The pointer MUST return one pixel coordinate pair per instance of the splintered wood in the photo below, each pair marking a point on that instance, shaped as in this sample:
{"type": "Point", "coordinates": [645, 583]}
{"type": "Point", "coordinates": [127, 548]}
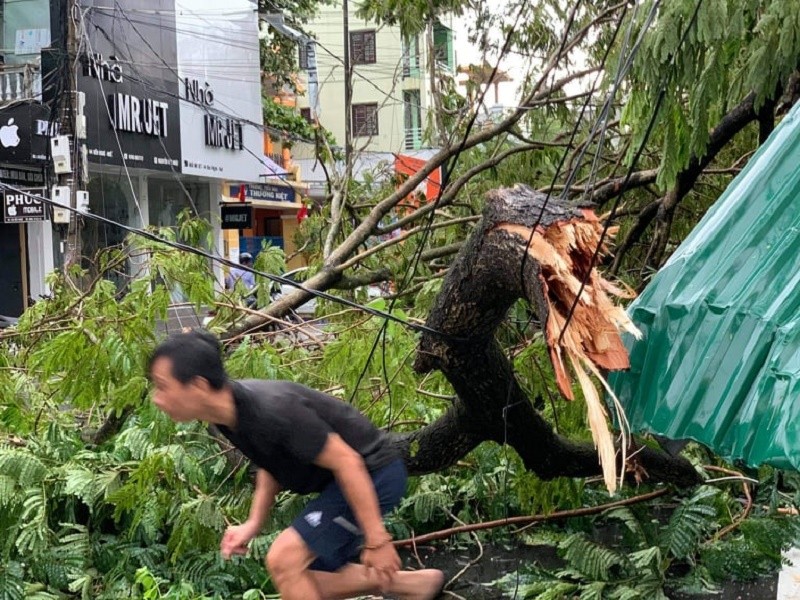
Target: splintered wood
{"type": "Point", "coordinates": [590, 341]}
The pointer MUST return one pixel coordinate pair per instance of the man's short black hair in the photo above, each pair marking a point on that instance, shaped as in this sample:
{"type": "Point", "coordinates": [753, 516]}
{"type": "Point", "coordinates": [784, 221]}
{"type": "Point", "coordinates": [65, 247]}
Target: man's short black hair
{"type": "Point", "coordinates": [196, 353]}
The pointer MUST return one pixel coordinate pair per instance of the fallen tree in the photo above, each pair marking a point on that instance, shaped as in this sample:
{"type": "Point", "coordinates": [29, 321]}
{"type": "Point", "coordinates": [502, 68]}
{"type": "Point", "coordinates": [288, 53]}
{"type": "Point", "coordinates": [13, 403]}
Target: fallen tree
{"type": "Point", "coordinates": [481, 285]}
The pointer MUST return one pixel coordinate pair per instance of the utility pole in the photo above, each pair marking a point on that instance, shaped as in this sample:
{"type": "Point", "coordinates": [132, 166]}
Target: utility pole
{"type": "Point", "coordinates": [348, 90]}
{"type": "Point", "coordinates": [73, 126]}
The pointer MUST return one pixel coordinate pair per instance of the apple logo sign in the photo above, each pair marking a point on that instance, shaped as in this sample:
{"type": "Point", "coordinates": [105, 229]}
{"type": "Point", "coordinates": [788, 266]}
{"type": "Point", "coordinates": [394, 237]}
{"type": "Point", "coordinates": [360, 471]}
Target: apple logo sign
{"type": "Point", "coordinates": [12, 211]}
{"type": "Point", "coordinates": [8, 135]}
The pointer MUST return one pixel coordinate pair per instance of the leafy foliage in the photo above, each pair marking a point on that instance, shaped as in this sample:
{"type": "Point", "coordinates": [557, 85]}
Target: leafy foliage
{"type": "Point", "coordinates": [102, 497]}
{"type": "Point", "coordinates": [732, 49]}
{"type": "Point", "coordinates": [651, 551]}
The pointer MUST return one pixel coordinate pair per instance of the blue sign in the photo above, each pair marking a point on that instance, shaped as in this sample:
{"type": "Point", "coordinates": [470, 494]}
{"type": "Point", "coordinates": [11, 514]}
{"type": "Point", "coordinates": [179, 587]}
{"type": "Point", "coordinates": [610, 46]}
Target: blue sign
{"type": "Point", "coordinates": [266, 191]}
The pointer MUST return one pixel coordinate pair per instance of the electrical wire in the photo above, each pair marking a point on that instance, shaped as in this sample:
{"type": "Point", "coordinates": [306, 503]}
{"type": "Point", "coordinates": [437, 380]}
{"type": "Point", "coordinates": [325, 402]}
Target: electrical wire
{"type": "Point", "coordinates": [208, 109]}
{"type": "Point", "coordinates": [211, 110]}
{"type": "Point", "coordinates": [426, 232]}
{"type": "Point", "coordinates": [85, 39]}
{"type": "Point", "coordinates": [223, 261]}
{"type": "Point", "coordinates": [370, 81]}
{"type": "Point", "coordinates": [512, 377]}
{"type": "Point", "coordinates": [632, 167]}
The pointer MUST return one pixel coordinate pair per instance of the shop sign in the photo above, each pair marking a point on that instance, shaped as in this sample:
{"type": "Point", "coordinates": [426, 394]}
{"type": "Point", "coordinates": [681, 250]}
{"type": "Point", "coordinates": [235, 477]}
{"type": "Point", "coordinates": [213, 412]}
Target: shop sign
{"type": "Point", "coordinates": [267, 191]}
{"type": "Point", "coordinates": [21, 176]}
{"type": "Point", "coordinates": [236, 216]}
{"type": "Point", "coordinates": [131, 95]}
{"type": "Point", "coordinates": [24, 133]}
{"type": "Point", "coordinates": [221, 114]}
{"type": "Point", "coordinates": [22, 208]}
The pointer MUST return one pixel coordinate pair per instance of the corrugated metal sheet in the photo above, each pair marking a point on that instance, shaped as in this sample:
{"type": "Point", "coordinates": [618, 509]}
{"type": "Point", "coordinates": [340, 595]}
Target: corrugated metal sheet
{"type": "Point", "coordinates": [719, 361]}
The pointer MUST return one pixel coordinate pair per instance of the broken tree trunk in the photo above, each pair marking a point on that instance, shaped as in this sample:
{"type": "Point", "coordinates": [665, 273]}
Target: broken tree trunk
{"type": "Point", "coordinates": [488, 276]}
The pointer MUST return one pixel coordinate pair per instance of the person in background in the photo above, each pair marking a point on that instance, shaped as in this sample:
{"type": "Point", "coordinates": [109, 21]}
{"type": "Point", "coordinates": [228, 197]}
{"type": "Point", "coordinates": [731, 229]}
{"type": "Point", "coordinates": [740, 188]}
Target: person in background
{"type": "Point", "coordinates": [247, 278]}
{"type": "Point", "coordinates": [307, 442]}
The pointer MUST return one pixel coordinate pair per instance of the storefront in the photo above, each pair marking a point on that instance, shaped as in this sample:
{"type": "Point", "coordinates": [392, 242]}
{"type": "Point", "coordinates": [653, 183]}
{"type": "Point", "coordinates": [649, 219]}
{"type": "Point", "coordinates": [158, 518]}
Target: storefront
{"type": "Point", "coordinates": [273, 208]}
{"type": "Point", "coordinates": [24, 228]}
{"type": "Point", "coordinates": [165, 125]}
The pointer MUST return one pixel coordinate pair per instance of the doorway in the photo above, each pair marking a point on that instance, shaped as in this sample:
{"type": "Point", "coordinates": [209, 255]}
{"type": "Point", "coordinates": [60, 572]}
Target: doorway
{"type": "Point", "coordinates": [12, 301]}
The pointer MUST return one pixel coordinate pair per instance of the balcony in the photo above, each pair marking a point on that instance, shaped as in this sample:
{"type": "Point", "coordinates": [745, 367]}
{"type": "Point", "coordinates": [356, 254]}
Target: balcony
{"type": "Point", "coordinates": [411, 66]}
{"type": "Point", "coordinates": [20, 82]}
{"type": "Point", "coordinates": [413, 140]}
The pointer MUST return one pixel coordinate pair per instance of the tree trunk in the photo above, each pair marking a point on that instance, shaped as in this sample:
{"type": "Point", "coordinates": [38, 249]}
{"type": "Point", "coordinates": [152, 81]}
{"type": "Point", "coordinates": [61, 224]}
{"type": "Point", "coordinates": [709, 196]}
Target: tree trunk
{"type": "Point", "coordinates": [484, 281]}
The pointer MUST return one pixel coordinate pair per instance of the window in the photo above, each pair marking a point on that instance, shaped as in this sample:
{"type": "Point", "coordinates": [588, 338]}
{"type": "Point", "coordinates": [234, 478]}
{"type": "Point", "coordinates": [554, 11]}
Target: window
{"type": "Point", "coordinates": [443, 46]}
{"type": "Point", "coordinates": [362, 47]}
{"type": "Point", "coordinates": [411, 56]}
{"type": "Point", "coordinates": [365, 119]}
{"type": "Point", "coordinates": [412, 117]}
{"type": "Point", "coordinates": [306, 114]}
{"type": "Point", "coordinates": [302, 57]}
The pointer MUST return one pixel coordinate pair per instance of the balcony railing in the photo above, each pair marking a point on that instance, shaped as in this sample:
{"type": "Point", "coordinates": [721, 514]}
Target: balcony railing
{"type": "Point", "coordinates": [411, 66]}
{"type": "Point", "coordinates": [20, 82]}
{"type": "Point", "coordinates": [444, 66]}
{"type": "Point", "coordinates": [413, 138]}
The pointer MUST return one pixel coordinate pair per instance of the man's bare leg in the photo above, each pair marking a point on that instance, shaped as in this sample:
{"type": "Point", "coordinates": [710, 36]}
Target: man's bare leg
{"type": "Point", "coordinates": [287, 561]}
{"type": "Point", "coordinates": [354, 580]}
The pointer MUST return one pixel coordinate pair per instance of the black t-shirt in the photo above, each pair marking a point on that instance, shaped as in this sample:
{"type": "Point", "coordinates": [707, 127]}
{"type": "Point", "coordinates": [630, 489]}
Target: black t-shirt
{"type": "Point", "coordinates": [282, 426]}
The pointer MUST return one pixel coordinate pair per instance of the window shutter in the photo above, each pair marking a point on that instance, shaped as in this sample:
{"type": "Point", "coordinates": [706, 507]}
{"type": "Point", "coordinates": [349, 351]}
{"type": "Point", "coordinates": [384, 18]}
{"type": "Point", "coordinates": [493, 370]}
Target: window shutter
{"type": "Point", "coordinates": [362, 47]}
{"type": "Point", "coordinates": [302, 58]}
{"type": "Point", "coordinates": [365, 119]}
{"type": "Point", "coordinates": [370, 54]}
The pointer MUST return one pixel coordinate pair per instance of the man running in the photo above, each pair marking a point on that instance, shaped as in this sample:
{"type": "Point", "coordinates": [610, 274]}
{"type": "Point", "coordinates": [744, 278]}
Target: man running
{"type": "Point", "coordinates": [304, 441]}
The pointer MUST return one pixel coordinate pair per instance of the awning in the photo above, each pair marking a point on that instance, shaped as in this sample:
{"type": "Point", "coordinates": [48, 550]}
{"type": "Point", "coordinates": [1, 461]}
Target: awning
{"type": "Point", "coordinates": [720, 358]}
{"type": "Point", "coordinates": [272, 169]}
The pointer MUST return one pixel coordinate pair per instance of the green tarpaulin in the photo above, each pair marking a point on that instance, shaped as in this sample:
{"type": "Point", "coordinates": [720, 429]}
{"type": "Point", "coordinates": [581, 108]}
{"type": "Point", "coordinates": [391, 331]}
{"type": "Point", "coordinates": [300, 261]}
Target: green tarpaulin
{"type": "Point", "coordinates": [719, 361]}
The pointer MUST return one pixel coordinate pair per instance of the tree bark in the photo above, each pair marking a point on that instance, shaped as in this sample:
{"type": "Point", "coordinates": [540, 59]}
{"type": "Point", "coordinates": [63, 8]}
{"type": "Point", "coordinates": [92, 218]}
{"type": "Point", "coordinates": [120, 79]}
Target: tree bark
{"type": "Point", "coordinates": [485, 279]}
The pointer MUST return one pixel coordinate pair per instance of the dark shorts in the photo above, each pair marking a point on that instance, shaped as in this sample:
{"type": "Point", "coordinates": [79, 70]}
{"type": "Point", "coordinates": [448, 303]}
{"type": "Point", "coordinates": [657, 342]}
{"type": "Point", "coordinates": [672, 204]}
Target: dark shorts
{"type": "Point", "coordinates": [328, 526]}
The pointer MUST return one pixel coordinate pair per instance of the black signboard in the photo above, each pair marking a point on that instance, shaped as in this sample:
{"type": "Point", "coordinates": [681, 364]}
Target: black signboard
{"type": "Point", "coordinates": [24, 133]}
{"type": "Point", "coordinates": [266, 191]}
{"type": "Point", "coordinates": [20, 176]}
{"type": "Point", "coordinates": [237, 216]}
{"type": "Point", "coordinates": [21, 208]}
{"type": "Point", "coordinates": [130, 80]}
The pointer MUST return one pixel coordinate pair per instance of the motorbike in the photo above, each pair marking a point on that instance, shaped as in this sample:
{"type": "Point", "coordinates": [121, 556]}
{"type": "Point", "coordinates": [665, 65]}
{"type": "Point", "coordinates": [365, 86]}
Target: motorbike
{"type": "Point", "coordinates": [7, 321]}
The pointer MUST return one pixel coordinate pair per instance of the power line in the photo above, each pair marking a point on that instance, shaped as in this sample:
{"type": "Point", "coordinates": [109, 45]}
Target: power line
{"type": "Point", "coordinates": [224, 261]}
{"type": "Point", "coordinates": [370, 81]}
{"type": "Point", "coordinates": [138, 78]}
{"type": "Point", "coordinates": [639, 151]}
{"type": "Point", "coordinates": [428, 225]}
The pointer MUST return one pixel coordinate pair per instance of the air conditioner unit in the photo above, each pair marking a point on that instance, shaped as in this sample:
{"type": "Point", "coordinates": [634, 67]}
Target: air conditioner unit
{"type": "Point", "coordinates": [59, 149]}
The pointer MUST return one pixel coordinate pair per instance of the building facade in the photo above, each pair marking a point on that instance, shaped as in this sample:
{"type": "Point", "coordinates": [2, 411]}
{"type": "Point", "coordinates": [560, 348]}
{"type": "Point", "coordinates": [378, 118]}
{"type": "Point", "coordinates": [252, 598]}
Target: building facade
{"type": "Point", "coordinates": [391, 84]}
{"type": "Point", "coordinates": [169, 111]}
{"type": "Point", "coordinates": [26, 243]}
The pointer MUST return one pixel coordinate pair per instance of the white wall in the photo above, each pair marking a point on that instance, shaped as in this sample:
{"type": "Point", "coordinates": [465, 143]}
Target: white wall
{"type": "Point", "coordinates": [222, 52]}
{"type": "Point", "coordinates": [381, 82]}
